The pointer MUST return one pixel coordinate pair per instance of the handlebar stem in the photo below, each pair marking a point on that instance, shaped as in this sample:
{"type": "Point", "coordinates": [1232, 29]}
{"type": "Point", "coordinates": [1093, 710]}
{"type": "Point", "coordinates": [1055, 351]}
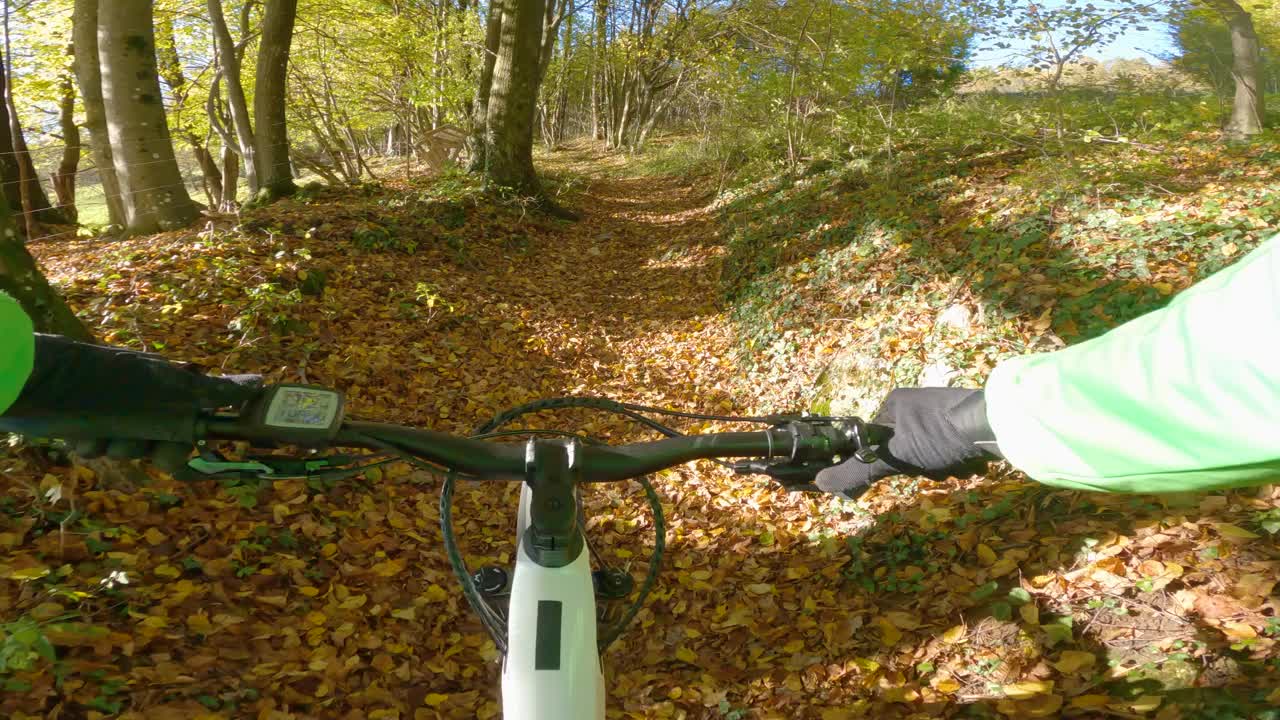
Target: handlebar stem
{"type": "Point", "coordinates": [553, 538]}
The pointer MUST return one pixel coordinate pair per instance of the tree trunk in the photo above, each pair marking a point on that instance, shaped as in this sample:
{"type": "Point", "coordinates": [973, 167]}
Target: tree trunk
{"type": "Point", "coordinates": [480, 121]}
{"type": "Point", "coordinates": [64, 178]}
{"type": "Point", "coordinates": [599, 122]}
{"type": "Point", "coordinates": [513, 99]}
{"type": "Point", "coordinates": [154, 193]}
{"type": "Point", "coordinates": [22, 279]}
{"type": "Point", "coordinates": [210, 175]}
{"type": "Point", "coordinates": [275, 173]}
{"type": "Point", "coordinates": [10, 176]}
{"type": "Point", "coordinates": [230, 178]}
{"type": "Point", "coordinates": [554, 13]}
{"type": "Point", "coordinates": [219, 122]}
{"type": "Point", "coordinates": [84, 33]}
{"type": "Point", "coordinates": [229, 61]}
{"type": "Point", "coordinates": [23, 189]}
{"type": "Point", "coordinates": [1248, 111]}
{"type": "Point", "coordinates": [561, 113]}
{"type": "Point", "coordinates": [171, 70]}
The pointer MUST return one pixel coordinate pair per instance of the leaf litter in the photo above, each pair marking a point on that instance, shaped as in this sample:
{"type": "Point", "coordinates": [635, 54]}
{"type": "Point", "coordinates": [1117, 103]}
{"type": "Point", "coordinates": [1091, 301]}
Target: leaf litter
{"type": "Point", "coordinates": [167, 600]}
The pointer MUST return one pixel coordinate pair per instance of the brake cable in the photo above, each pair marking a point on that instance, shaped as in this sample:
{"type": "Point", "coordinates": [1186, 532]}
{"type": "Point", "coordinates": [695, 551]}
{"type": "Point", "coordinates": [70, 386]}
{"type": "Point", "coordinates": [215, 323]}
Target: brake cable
{"type": "Point", "coordinates": [489, 616]}
{"type": "Point", "coordinates": [630, 410]}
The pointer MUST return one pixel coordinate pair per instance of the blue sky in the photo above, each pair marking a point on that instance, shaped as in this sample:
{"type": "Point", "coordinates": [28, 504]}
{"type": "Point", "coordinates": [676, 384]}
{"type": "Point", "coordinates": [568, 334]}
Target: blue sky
{"type": "Point", "coordinates": [1150, 44]}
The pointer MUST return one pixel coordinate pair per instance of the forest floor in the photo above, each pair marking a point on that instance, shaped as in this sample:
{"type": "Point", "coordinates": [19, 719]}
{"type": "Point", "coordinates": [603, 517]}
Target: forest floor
{"type": "Point", "coordinates": [440, 308]}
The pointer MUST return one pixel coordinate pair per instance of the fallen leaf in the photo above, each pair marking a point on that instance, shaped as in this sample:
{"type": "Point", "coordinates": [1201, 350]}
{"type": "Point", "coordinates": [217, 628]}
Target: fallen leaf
{"type": "Point", "coordinates": [955, 634]}
{"type": "Point", "coordinates": [986, 555]}
{"type": "Point", "coordinates": [1146, 703]}
{"type": "Point", "coordinates": [1030, 614]}
{"type": "Point", "coordinates": [1234, 532]}
{"type": "Point", "coordinates": [389, 568]}
{"type": "Point", "coordinates": [1072, 661]}
{"type": "Point", "coordinates": [889, 633]}
{"type": "Point", "coordinates": [903, 620]}
{"type": "Point", "coordinates": [1039, 706]}
{"type": "Point", "coordinates": [1027, 689]}
{"type": "Point", "coordinates": [946, 686]}
{"type": "Point", "coordinates": [1090, 702]}
{"type": "Point", "coordinates": [1239, 630]}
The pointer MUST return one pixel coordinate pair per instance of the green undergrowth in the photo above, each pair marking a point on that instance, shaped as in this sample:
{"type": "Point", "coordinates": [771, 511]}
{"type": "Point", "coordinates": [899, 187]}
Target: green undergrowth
{"type": "Point", "coordinates": [929, 263]}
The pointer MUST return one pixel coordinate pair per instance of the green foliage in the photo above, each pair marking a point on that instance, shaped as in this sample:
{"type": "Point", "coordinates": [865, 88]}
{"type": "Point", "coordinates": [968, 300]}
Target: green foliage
{"type": "Point", "coordinates": [1079, 232]}
{"type": "Point", "coordinates": [804, 67]}
{"type": "Point", "coordinates": [901, 563]}
{"type": "Point", "coordinates": [1053, 35]}
{"type": "Point", "coordinates": [372, 237]}
{"type": "Point", "coordinates": [1204, 44]}
{"type": "Point", "coordinates": [22, 644]}
{"type": "Point", "coordinates": [269, 304]}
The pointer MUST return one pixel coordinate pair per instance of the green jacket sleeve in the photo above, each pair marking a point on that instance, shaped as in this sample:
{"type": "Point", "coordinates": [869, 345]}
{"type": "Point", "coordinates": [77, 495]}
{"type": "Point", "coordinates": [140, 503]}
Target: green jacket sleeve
{"type": "Point", "coordinates": [17, 350]}
{"type": "Point", "coordinates": [1184, 398]}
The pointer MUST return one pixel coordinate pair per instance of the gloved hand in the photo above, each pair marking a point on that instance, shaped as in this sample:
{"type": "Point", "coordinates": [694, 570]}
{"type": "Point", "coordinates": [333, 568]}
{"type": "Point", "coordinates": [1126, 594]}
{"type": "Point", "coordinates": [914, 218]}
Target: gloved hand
{"type": "Point", "coordinates": [936, 433]}
{"type": "Point", "coordinates": [119, 403]}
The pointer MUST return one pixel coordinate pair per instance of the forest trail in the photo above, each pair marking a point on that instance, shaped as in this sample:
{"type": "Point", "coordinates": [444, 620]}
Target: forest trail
{"type": "Point", "coordinates": [280, 599]}
{"type": "Point", "coordinates": [633, 287]}
{"type": "Point", "coordinates": [442, 307]}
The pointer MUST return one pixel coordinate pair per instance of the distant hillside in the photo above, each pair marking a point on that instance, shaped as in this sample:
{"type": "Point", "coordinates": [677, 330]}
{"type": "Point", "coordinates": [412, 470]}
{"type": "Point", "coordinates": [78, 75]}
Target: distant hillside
{"type": "Point", "coordinates": [1088, 72]}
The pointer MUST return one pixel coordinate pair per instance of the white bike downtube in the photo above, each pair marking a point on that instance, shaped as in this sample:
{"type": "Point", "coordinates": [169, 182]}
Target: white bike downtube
{"type": "Point", "coordinates": [552, 668]}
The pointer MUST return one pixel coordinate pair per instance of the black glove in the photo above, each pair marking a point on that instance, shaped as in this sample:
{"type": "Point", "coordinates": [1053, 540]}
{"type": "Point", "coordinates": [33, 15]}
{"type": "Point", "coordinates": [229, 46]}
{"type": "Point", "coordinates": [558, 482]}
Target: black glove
{"type": "Point", "coordinates": [936, 433]}
{"type": "Point", "coordinates": [119, 403]}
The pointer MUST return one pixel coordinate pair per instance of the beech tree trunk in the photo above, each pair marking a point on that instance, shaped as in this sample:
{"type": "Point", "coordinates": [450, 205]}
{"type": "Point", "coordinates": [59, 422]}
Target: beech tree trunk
{"type": "Point", "coordinates": [275, 172]}
{"type": "Point", "coordinates": [22, 279]}
{"type": "Point", "coordinates": [513, 99]}
{"type": "Point", "coordinates": [229, 61]}
{"type": "Point", "coordinates": [480, 120]}
{"type": "Point", "coordinates": [599, 76]}
{"type": "Point", "coordinates": [21, 184]}
{"type": "Point", "coordinates": [1248, 111]}
{"type": "Point", "coordinates": [84, 33]}
{"type": "Point", "coordinates": [170, 67]}
{"type": "Point", "coordinates": [230, 177]}
{"type": "Point", "coordinates": [64, 178]}
{"type": "Point", "coordinates": [219, 121]}
{"type": "Point", "coordinates": [155, 196]}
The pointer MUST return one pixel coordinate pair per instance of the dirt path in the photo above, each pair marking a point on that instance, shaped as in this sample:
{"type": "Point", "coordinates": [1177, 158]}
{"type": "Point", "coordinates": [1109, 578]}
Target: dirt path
{"type": "Point", "coordinates": [631, 288]}
{"type": "Point", "coordinates": [278, 601]}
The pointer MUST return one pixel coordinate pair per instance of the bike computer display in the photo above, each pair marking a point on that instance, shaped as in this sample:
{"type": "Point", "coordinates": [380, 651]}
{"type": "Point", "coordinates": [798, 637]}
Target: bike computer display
{"type": "Point", "coordinates": [300, 414]}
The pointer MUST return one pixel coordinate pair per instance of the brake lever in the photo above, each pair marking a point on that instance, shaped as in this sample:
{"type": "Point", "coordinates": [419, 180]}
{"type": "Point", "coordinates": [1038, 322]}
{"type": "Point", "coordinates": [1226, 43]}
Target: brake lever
{"type": "Point", "coordinates": [799, 475]}
{"type": "Point", "coordinates": [793, 476]}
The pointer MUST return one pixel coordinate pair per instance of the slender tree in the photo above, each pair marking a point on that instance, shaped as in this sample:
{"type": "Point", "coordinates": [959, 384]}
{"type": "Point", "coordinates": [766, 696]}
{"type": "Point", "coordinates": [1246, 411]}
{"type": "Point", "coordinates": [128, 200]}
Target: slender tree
{"type": "Point", "coordinates": [18, 178]}
{"type": "Point", "coordinates": [480, 120]}
{"type": "Point", "coordinates": [228, 57]}
{"type": "Point", "coordinates": [1249, 107]}
{"type": "Point", "coordinates": [84, 34]}
{"type": "Point", "coordinates": [155, 197]}
{"type": "Point", "coordinates": [275, 172]}
{"type": "Point", "coordinates": [599, 68]}
{"type": "Point", "coordinates": [170, 67]}
{"type": "Point", "coordinates": [64, 177]}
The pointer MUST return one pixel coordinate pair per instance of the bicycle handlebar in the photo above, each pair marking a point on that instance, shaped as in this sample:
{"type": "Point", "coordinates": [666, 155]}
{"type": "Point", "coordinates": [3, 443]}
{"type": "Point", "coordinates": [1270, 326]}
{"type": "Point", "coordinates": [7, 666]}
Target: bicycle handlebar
{"type": "Point", "coordinates": [798, 441]}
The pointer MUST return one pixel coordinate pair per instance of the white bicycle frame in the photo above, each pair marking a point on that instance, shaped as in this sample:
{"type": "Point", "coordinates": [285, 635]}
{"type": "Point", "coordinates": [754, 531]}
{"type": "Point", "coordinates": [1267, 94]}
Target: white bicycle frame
{"type": "Point", "coordinates": [552, 670]}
